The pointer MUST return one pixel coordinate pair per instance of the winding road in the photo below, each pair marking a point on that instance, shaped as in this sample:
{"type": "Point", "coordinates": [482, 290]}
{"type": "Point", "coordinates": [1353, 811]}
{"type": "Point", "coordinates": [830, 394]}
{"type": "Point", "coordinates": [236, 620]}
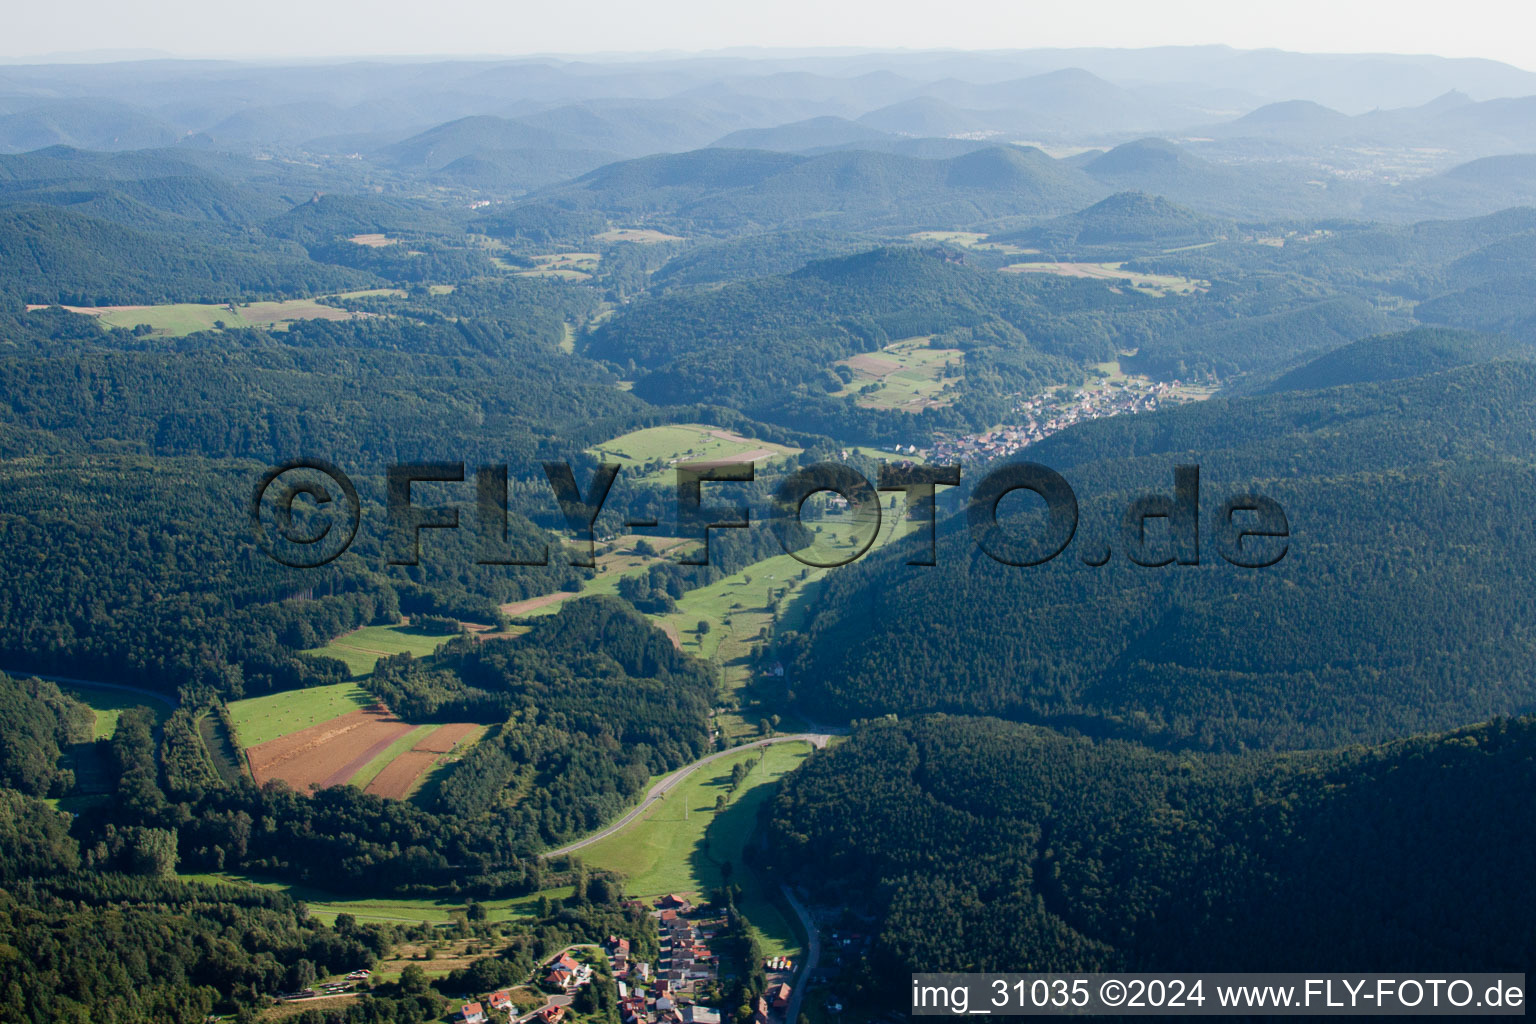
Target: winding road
{"type": "Point", "coordinates": [667, 783]}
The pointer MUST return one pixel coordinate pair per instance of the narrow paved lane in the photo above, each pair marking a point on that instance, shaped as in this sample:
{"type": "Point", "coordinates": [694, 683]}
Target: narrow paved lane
{"type": "Point", "coordinates": [669, 782]}
{"type": "Point", "coordinates": [812, 957]}
{"type": "Point", "coordinates": [97, 684]}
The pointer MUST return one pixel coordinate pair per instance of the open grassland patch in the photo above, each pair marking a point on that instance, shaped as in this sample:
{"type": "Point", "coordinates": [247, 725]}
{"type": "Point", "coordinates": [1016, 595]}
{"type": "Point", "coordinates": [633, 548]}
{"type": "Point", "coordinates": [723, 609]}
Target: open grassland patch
{"type": "Point", "coordinates": [109, 704]}
{"type": "Point", "coordinates": [569, 266]}
{"type": "Point", "coordinates": [656, 451]}
{"type": "Point", "coordinates": [362, 648]}
{"type": "Point", "coordinates": [968, 240]}
{"type": "Point", "coordinates": [680, 843]}
{"type": "Point", "coordinates": [175, 320]}
{"type": "Point", "coordinates": [1151, 284]}
{"type": "Point", "coordinates": [648, 236]}
{"type": "Point", "coordinates": [373, 240]}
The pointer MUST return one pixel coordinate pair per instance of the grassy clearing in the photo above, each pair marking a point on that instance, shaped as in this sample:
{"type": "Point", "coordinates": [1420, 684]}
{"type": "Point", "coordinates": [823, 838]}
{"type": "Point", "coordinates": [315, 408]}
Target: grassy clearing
{"type": "Point", "coordinates": [679, 844]}
{"type": "Point", "coordinates": [568, 266]}
{"type": "Point", "coordinates": [327, 905]}
{"type": "Point", "coordinates": [906, 375]}
{"type": "Point", "coordinates": [362, 648]}
{"type": "Point", "coordinates": [646, 236]}
{"type": "Point", "coordinates": [260, 719]}
{"type": "Point", "coordinates": [662, 448]}
{"type": "Point", "coordinates": [108, 704]}
{"type": "Point", "coordinates": [968, 240]}
{"type": "Point", "coordinates": [612, 565]}
{"type": "Point", "coordinates": [373, 240]}
{"type": "Point", "coordinates": [180, 319]}
{"type": "Point", "coordinates": [1150, 284]}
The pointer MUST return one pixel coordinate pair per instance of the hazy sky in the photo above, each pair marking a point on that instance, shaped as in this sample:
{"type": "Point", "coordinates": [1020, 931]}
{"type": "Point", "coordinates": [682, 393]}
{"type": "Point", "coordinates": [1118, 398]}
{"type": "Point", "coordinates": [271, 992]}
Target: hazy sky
{"type": "Point", "coordinates": [1500, 29]}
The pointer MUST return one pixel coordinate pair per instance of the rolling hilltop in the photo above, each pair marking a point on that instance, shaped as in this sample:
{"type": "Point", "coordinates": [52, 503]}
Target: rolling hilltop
{"type": "Point", "coordinates": [1396, 493]}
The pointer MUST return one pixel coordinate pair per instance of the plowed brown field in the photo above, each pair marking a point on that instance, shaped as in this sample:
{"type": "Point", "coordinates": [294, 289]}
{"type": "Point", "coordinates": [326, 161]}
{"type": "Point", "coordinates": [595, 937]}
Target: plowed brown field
{"type": "Point", "coordinates": [399, 777]}
{"type": "Point", "coordinates": [327, 754]}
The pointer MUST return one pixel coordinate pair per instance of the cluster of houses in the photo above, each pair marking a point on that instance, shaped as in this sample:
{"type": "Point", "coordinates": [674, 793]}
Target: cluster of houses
{"type": "Point", "coordinates": [665, 995]}
{"type": "Point", "coordinates": [1044, 415]}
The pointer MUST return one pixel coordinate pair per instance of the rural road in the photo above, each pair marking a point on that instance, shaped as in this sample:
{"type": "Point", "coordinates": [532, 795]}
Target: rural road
{"type": "Point", "coordinates": [667, 783]}
{"type": "Point", "coordinates": [70, 681]}
{"type": "Point", "coordinates": [812, 956]}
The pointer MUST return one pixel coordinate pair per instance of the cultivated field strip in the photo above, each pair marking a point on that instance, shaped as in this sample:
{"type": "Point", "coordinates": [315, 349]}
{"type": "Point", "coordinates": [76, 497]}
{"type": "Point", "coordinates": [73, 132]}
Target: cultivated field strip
{"type": "Point", "coordinates": [400, 776]}
{"type": "Point", "coordinates": [311, 756]}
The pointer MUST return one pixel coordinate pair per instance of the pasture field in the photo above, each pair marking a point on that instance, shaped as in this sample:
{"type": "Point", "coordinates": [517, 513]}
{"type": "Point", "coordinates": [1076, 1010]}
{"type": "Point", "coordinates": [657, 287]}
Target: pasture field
{"type": "Point", "coordinates": [613, 565]}
{"type": "Point", "coordinates": [648, 236]}
{"type": "Point", "coordinates": [373, 240]}
{"type": "Point", "coordinates": [969, 240]}
{"type": "Point", "coordinates": [362, 648]}
{"type": "Point", "coordinates": [906, 375]}
{"type": "Point", "coordinates": [685, 443]}
{"type": "Point", "coordinates": [259, 720]}
{"type": "Point", "coordinates": [569, 266]}
{"type": "Point", "coordinates": [176, 320]}
{"type": "Point", "coordinates": [1150, 284]}
{"type": "Point", "coordinates": [679, 844]}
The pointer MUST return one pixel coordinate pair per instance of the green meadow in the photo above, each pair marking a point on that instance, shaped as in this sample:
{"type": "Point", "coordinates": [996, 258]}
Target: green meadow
{"type": "Point", "coordinates": [681, 843]}
{"type": "Point", "coordinates": [362, 648]}
{"type": "Point", "coordinates": [259, 719]}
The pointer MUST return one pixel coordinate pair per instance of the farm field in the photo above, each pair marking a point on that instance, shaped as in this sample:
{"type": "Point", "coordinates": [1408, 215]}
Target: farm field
{"type": "Point", "coordinates": [685, 443]}
{"type": "Point", "coordinates": [739, 606]}
{"type": "Point", "coordinates": [259, 720]}
{"type": "Point", "coordinates": [362, 648]}
{"type": "Point", "coordinates": [680, 843]}
{"type": "Point", "coordinates": [906, 375]}
{"type": "Point", "coordinates": [622, 561]}
{"type": "Point", "coordinates": [969, 240]}
{"type": "Point", "coordinates": [372, 240]}
{"type": "Point", "coordinates": [569, 266]}
{"type": "Point", "coordinates": [643, 235]}
{"type": "Point", "coordinates": [400, 776]}
{"type": "Point", "coordinates": [328, 754]}
{"type": "Point", "coordinates": [177, 320]}
{"type": "Point", "coordinates": [1151, 284]}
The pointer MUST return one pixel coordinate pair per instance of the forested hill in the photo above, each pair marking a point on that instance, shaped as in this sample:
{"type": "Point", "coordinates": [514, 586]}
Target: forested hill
{"type": "Point", "coordinates": [768, 346]}
{"type": "Point", "coordinates": [1403, 603]}
{"type": "Point", "coordinates": [717, 189]}
{"type": "Point", "coordinates": [1394, 356]}
{"type": "Point", "coordinates": [1081, 856]}
{"type": "Point", "coordinates": [55, 255]}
